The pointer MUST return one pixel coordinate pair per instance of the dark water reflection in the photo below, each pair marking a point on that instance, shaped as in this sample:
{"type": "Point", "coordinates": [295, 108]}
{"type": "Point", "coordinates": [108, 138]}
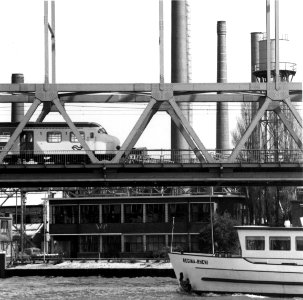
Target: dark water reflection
{"type": "Point", "coordinates": [101, 288]}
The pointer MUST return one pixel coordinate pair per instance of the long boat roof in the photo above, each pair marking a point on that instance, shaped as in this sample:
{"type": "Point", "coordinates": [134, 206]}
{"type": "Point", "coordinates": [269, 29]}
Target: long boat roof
{"type": "Point", "coordinates": [268, 228]}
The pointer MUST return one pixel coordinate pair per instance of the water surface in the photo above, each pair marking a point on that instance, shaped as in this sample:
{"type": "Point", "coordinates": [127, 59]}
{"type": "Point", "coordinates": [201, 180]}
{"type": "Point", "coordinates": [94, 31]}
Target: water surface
{"type": "Point", "coordinates": [94, 287]}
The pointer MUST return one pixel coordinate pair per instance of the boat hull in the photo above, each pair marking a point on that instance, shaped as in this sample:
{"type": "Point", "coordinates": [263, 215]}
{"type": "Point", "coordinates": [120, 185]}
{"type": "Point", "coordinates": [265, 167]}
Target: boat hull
{"type": "Point", "coordinates": [237, 275]}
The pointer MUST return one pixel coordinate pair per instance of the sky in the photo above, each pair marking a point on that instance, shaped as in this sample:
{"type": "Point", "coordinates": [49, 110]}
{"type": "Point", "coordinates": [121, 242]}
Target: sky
{"type": "Point", "coordinates": [116, 41]}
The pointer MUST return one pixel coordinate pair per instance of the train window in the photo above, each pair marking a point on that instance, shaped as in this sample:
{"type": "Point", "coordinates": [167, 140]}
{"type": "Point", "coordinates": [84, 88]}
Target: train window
{"type": "Point", "coordinates": [102, 130]}
{"type": "Point", "coordinates": [54, 137]}
{"type": "Point", "coordinates": [73, 138]}
{"type": "Point", "coordinates": [4, 137]}
{"type": "Point", "coordinates": [91, 135]}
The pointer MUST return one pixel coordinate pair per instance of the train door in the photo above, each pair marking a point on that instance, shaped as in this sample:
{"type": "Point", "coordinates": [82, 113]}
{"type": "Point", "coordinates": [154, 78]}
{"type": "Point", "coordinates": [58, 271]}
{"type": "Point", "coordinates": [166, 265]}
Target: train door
{"type": "Point", "coordinates": [26, 141]}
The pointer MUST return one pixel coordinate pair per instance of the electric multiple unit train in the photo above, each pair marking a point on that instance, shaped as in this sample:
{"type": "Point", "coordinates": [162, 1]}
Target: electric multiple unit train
{"type": "Point", "coordinates": [54, 142]}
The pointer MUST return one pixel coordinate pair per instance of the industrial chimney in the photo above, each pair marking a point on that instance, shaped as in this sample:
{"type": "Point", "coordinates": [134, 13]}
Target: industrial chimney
{"type": "Point", "coordinates": [222, 125]}
{"type": "Point", "coordinates": [17, 112]}
{"type": "Point", "coordinates": [179, 64]}
{"type": "Point", "coordinates": [256, 37]}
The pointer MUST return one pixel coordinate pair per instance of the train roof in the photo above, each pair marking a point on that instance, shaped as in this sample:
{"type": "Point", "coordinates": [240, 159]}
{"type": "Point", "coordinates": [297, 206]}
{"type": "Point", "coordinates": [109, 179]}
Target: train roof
{"type": "Point", "coordinates": [50, 124]}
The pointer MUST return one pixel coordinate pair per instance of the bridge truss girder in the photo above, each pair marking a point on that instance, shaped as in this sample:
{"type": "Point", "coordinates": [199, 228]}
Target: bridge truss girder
{"type": "Point", "coordinates": [159, 96]}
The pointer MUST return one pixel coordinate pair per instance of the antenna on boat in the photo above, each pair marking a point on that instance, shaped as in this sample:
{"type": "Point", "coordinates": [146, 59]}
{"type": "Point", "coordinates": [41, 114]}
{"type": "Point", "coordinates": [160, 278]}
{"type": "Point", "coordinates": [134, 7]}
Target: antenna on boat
{"type": "Point", "coordinates": [211, 220]}
{"type": "Point", "coordinates": [172, 235]}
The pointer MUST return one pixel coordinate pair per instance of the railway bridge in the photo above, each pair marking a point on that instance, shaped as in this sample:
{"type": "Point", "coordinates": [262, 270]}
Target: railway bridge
{"type": "Point", "coordinates": [197, 166]}
{"type": "Point", "coordinates": [156, 168]}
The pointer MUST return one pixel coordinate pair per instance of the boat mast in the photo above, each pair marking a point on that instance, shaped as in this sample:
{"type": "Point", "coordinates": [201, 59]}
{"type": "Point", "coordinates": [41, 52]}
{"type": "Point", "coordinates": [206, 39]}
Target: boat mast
{"type": "Point", "coordinates": [211, 220]}
{"type": "Point", "coordinates": [172, 235]}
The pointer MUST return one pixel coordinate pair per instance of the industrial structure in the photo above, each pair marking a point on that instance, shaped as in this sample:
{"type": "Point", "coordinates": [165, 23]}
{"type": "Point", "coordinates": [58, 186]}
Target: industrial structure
{"type": "Point", "coordinates": [5, 233]}
{"type": "Point", "coordinates": [119, 222]}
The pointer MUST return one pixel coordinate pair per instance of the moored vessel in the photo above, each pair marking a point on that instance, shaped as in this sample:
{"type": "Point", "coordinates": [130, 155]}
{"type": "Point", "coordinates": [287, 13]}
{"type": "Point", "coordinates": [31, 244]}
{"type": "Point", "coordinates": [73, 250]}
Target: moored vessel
{"type": "Point", "coordinates": [271, 263]}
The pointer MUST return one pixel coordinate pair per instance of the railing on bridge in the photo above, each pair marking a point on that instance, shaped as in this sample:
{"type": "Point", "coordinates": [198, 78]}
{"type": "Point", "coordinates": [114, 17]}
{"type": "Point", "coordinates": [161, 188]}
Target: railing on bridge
{"type": "Point", "coordinates": [147, 156]}
{"type": "Point", "coordinates": [151, 191]}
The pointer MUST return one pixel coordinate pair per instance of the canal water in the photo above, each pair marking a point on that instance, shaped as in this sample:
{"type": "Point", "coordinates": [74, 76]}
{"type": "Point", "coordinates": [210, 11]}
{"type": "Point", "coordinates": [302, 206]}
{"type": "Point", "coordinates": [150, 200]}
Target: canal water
{"type": "Point", "coordinates": [95, 287]}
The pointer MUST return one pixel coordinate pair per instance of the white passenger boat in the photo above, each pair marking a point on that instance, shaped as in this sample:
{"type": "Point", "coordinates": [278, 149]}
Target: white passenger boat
{"type": "Point", "coordinates": [271, 264]}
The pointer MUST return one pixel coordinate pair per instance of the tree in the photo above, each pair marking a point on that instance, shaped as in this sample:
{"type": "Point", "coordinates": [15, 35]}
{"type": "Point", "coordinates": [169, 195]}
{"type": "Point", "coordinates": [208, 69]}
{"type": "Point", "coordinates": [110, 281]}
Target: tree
{"type": "Point", "coordinates": [268, 205]}
{"type": "Point", "coordinates": [225, 235]}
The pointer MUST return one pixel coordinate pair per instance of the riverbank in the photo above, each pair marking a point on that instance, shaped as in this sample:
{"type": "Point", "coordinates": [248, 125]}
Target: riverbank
{"type": "Point", "coordinates": [93, 268]}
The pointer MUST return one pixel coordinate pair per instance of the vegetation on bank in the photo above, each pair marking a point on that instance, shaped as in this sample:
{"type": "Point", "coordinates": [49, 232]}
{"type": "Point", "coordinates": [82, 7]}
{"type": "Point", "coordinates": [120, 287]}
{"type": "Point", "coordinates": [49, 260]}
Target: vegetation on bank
{"type": "Point", "coordinates": [268, 205]}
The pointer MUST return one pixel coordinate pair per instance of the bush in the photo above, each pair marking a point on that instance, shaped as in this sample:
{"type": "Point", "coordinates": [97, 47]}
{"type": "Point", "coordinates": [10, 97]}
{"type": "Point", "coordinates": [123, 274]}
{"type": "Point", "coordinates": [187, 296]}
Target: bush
{"type": "Point", "coordinates": [225, 235]}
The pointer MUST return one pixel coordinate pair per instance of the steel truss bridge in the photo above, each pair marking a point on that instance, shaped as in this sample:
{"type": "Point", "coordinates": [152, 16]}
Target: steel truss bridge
{"type": "Point", "coordinates": [199, 167]}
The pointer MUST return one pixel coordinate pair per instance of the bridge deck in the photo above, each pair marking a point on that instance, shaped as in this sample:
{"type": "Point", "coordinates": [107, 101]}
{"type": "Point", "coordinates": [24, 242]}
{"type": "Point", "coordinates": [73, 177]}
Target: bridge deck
{"type": "Point", "coordinates": [108, 174]}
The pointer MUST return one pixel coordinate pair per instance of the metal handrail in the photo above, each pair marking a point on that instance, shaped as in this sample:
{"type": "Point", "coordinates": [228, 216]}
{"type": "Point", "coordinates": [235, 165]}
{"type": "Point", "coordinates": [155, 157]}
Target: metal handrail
{"type": "Point", "coordinates": [283, 66]}
{"type": "Point", "coordinates": [283, 36]}
{"type": "Point", "coordinates": [152, 156]}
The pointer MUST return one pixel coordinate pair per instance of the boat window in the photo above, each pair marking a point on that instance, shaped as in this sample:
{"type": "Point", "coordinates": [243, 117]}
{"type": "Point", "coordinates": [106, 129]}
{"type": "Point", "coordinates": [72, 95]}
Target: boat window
{"type": "Point", "coordinates": [255, 243]}
{"type": "Point", "coordinates": [155, 243]}
{"type": "Point", "coordinates": [89, 243]}
{"type": "Point", "coordinates": [155, 213]}
{"type": "Point", "coordinates": [133, 243]}
{"type": "Point", "coordinates": [73, 138]}
{"type": "Point", "coordinates": [89, 214]}
{"type": "Point", "coordinates": [54, 137]}
{"type": "Point", "coordinates": [199, 212]}
{"type": "Point", "coordinates": [111, 213]}
{"type": "Point", "coordinates": [280, 243]}
{"type": "Point", "coordinates": [66, 214]}
{"type": "Point", "coordinates": [179, 211]}
{"type": "Point", "coordinates": [133, 213]}
{"type": "Point", "coordinates": [299, 243]}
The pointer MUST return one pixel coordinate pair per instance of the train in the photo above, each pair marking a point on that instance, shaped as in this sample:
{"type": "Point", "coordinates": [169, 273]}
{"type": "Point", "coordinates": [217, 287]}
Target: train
{"type": "Point", "coordinates": [55, 142]}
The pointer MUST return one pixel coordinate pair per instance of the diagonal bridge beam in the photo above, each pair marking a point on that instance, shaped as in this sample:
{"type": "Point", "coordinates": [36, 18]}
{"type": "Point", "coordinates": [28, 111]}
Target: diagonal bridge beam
{"type": "Point", "coordinates": [171, 107]}
{"type": "Point", "coordinates": [76, 132]}
{"type": "Point", "coordinates": [287, 124]}
{"type": "Point", "coordinates": [249, 130]}
{"type": "Point", "coordinates": [19, 129]}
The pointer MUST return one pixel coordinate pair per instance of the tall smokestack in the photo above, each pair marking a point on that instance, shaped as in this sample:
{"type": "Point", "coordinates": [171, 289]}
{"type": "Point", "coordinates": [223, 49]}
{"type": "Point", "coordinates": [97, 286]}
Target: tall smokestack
{"type": "Point", "coordinates": [222, 107]}
{"type": "Point", "coordinates": [17, 112]}
{"type": "Point", "coordinates": [255, 38]}
{"type": "Point", "coordinates": [179, 64]}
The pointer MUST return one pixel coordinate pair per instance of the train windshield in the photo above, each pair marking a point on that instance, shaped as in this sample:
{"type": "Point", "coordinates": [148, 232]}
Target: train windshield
{"type": "Point", "coordinates": [102, 130]}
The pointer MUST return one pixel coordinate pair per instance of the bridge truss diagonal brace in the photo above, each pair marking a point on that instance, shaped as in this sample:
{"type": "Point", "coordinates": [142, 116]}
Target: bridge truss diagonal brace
{"type": "Point", "coordinates": [294, 111]}
{"type": "Point", "coordinates": [44, 112]}
{"type": "Point", "coordinates": [189, 134]}
{"type": "Point", "coordinates": [74, 129]}
{"type": "Point", "coordinates": [11, 194]}
{"type": "Point", "coordinates": [19, 129]}
{"type": "Point", "coordinates": [289, 127]}
{"type": "Point", "coordinates": [250, 129]}
{"type": "Point", "coordinates": [187, 137]}
{"type": "Point", "coordinates": [138, 129]}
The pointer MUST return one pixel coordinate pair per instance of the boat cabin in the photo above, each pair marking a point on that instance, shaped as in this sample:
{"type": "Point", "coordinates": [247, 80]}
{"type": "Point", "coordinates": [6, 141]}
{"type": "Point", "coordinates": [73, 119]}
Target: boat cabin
{"type": "Point", "coordinates": [271, 242]}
